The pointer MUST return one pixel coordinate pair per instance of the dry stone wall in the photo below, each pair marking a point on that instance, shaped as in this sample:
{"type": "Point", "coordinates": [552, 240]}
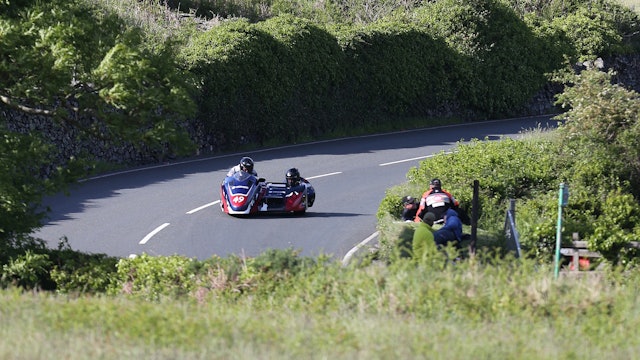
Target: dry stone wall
{"type": "Point", "coordinates": [69, 141]}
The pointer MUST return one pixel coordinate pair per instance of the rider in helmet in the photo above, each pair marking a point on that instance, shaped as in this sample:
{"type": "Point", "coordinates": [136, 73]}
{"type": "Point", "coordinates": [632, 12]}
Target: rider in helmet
{"type": "Point", "coordinates": [436, 200]}
{"type": "Point", "coordinates": [409, 208]}
{"type": "Point", "coordinates": [293, 179]}
{"type": "Point", "coordinates": [246, 165]}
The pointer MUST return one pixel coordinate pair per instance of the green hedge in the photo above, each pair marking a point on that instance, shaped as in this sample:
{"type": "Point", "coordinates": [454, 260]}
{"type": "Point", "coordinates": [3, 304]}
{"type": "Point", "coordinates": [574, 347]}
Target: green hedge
{"type": "Point", "coordinates": [398, 69]}
{"type": "Point", "coordinates": [288, 79]}
{"type": "Point", "coordinates": [502, 62]}
{"type": "Point", "coordinates": [264, 81]}
{"type": "Point", "coordinates": [314, 63]}
{"type": "Point", "coordinates": [242, 83]}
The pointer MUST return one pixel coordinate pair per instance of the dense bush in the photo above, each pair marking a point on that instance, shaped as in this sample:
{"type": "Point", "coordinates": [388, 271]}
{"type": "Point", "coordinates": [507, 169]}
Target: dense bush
{"type": "Point", "coordinates": [483, 57]}
{"type": "Point", "coordinates": [396, 68]}
{"type": "Point", "coordinates": [264, 81]}
{"type": "Point", "coordinates": [593, 29]}
{"type": "Point", "coordinates": [503, 62]}
{"type": "Point", "coordinates": [29, 264]}
{"type": "Point", "coordinates": [604, 118]}
{"type": "Point", "coordinates": [238, 68]}
{"type": "Point", "coordinates": [78, 272]}
{"type": "Point", "coordinates": [616, 228]}
{"type": "Point", "coordinates": [155, 278]}
{"type": "Point", "coordinates": [26, 271]}
{"type": "Point", "coordinates": [287, 79]}
{"type": "Point", "coordinates": [594, 152]}
{"type": "Point", "coordinates": [315, 69]}
{"type": "Point", "coordinates": [506, 169]}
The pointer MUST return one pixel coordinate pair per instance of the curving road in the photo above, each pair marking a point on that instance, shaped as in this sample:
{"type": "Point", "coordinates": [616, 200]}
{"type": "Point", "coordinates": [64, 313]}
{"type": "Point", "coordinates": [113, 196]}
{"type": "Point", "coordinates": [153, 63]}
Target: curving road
{"type": "Point", "coordinates": [173, 208]}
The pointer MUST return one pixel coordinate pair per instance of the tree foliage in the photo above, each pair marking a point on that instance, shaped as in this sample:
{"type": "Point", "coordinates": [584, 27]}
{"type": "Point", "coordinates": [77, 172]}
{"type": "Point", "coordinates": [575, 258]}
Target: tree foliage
{"type": "Point", "coordinates": [83, 66]}
{"type": "Point", "coordinates": [593, 29]}
{"type": "Point", "coordinates": [604, 118]}
{"type": "Point", "coordinates": [601, 134]}
{"type": "Point", "coordinates": [23, 185]}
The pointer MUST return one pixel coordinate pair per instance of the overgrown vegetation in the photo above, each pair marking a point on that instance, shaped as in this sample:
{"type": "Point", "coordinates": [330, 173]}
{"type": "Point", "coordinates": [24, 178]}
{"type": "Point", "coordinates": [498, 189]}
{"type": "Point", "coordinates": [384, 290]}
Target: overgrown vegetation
{"type": "Point", "coordinates": [594, 152]}
{"type": "Point", "coordinates": [501, 309]}
{"type": "Point", "coordinates": [304, 70]}
{"type": "Point", "coordinates": [151, 302]}
{"type": "Point", "coordinates": [142, 75]}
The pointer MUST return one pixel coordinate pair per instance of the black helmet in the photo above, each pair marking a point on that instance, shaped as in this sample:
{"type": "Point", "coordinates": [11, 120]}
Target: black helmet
{"type": "Point", "coordinates": [246, 164]}
{"type": "Point", "coordinates": [407, 200]}
{"type": "Point", "coordinates": [293, 177]}
{"type": "Point", "coordinates": [435, 183]}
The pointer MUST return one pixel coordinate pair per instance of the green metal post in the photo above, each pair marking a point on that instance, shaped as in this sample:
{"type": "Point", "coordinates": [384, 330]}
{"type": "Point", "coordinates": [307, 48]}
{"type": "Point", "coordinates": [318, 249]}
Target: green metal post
{"type": "Point", "coordinates": [562, 201]}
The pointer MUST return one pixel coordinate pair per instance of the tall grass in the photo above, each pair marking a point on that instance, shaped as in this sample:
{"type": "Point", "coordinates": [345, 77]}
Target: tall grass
{"type": "Point", "coordinates": [631, 4]}
{"type": "Point", "coordinates": [155, 17]}
{"type": "Point", "coordinates": [468, 310]}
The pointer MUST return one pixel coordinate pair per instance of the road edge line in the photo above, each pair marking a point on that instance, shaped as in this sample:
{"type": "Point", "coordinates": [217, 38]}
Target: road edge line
{"type": "Point", "coordinates": [349, 255]}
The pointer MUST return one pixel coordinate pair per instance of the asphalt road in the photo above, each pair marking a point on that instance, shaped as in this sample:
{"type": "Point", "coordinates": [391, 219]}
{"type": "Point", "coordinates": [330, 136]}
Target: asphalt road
{"type": "Point", "coordinates": [173, 208]}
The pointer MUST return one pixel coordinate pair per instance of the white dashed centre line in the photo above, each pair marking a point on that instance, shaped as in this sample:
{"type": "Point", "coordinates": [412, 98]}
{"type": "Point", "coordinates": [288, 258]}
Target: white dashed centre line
{"type": "Point", "coordinates": [202, 207]}
{"type": "Point", "coordinates": [329, 174]}
{"type": "Point", "coordinates": [405, 160]}
{"type": "Point", "coordinates": [150, 235]}
{"type": "Point", "coordinates": [412, 159]}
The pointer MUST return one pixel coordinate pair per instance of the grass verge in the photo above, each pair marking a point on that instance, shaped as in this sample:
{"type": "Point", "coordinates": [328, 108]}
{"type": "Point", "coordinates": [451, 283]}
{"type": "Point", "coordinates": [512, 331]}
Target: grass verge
{"type": "Point", "coordinates": [404, 311]}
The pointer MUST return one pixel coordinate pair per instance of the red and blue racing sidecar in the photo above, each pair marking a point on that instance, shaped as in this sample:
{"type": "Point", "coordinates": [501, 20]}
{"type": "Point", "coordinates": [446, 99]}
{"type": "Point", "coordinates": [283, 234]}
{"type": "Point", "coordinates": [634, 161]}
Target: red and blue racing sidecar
{"type": "Point", "coordinates": [244, 194]}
